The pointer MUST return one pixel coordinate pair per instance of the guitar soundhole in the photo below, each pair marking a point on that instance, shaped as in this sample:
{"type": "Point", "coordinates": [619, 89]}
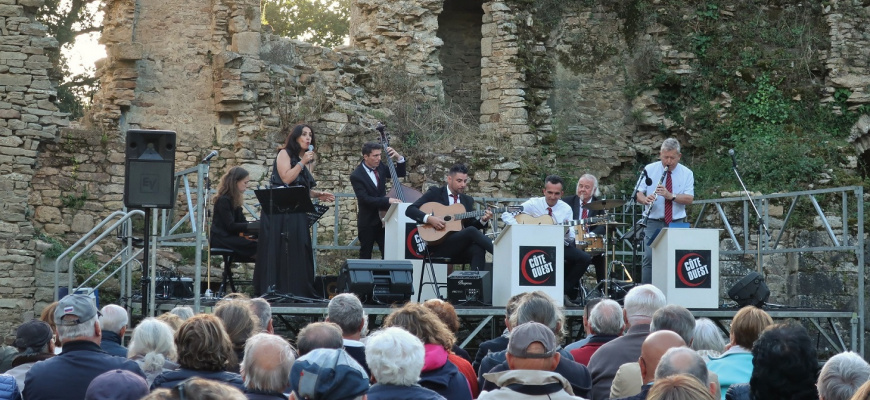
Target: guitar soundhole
{"type": "Point", "coordinates": [448, 218]}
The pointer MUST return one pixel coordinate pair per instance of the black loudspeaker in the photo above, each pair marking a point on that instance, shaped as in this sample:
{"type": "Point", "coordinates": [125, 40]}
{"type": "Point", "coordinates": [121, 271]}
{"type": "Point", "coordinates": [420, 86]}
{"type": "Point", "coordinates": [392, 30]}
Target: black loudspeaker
{"type": "Point", "coordinates": [469, 287]}
{"type": "Point", "coordinates": [326, 286]}
{"type": "Point", "coordinates": [377, 281]}
{"type": "Point", "coordinates": [150, 169]}
{"type": "Point", "coordinates": [750, 291]}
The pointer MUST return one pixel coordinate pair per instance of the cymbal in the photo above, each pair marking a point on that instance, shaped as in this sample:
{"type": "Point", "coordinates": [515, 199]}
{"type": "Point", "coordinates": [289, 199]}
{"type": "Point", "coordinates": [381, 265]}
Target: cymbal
{"type": "Point", "coordinates": [603, 204]}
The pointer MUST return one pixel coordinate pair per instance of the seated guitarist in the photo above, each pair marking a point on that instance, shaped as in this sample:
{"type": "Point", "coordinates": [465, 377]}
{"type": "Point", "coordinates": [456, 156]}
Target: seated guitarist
{"type": "Point", "coordinates": [587, 185]}
{"type": "Point", "coordinates": [551, 204]}
{"type": "Point", "coordinates": [468, 242]}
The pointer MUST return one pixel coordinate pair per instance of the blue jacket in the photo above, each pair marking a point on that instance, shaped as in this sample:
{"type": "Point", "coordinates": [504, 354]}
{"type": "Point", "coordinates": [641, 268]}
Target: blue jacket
{"type": "Point", "coordinates": [447, 381]}
{"type": "Point", "coordinates": [732, 368]}
{"type": "Point", "coordinates": [111, 343]}
{"type": "Point", "coordinates": [380, 391]}
{"type": "Point", "coordinates": [68, 375]}
{"type": "Point", "coordinates": [8, 388]}
{"type": "Point", "coordinates": [169, 379]}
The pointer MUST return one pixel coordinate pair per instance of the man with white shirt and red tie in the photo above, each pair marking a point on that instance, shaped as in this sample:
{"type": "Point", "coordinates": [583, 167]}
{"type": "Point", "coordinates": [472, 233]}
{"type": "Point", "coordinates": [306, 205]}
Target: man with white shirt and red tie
{"type": "Point", "coordinates": [468, 242]}
{"type": "Point", "coordinates": [551, 204]}
{"type": "Point", "coordinates": [669, 199]}
{"type": "Point", "coordinates": [587, 185]}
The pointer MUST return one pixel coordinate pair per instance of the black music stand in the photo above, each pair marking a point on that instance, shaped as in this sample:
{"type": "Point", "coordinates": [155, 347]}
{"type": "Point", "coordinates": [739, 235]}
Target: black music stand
{"type": "Point", "coordinates": [284, 200]}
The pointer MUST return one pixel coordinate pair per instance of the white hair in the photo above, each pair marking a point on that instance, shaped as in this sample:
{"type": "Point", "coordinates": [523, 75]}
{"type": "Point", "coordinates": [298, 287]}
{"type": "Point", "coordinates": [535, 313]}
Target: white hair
{"type": "Point", "coordinates": [183, 312]}
{"type": "Point", "coordinates": [671, 144]}
{"type": "Point", "coordinates": [395, 356]}
{"type": "Point", "coordinates": [682, 360]}
{"type": "Point", "coordinates": [86, 329]}
{"type": "Point", "coordinates": [594, 183]}
{"type": "Point", "coordinates": [642, 302]}
{"type": "Point", "coordinates": [347, 312]}
{"type": "Point", "coordinates": [114, 318]}
{"type": "Point", "coordinates": [707, 336]}
{"type": "Point", "coordinates": [842, 375]}
{"type": "Point", "coordinates": [263, 310]}
{"type": "Point", "coordinates": [606, 318]}
{"type": "Point", "coordinates": [267, 362]}
{"type": "Point", "coordinates": [154, 340]}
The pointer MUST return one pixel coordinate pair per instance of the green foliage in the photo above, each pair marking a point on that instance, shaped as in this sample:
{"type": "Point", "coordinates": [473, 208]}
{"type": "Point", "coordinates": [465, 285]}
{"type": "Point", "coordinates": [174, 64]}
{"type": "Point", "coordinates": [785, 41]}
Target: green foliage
{"type": "Point", "coordinates": [57, 247]}
{"type": "Point", "coordinates": [74, 202]}
{"type": "Point", "coordinates": [66, 20]}
{"type": "Point", "coordinates": [321, 22]}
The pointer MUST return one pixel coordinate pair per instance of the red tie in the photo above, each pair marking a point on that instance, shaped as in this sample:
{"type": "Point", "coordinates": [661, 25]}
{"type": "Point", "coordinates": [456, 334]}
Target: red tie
{"type": "Point", "coordinates": [377, 176]}
{"type": "Point", "coordinates": [585, 213]}
{"type": "Point", "coordinates": [550, 211]}
{"type": "Point", "coordinates": [455, 198]}
{"type": "Point", "coordinates": [669, 204]}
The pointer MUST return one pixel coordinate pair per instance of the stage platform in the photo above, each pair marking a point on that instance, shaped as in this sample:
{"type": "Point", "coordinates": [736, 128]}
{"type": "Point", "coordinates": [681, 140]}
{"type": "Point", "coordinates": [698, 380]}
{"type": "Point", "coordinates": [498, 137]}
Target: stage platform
{"type": "Point", "coordinates": [480, 323]}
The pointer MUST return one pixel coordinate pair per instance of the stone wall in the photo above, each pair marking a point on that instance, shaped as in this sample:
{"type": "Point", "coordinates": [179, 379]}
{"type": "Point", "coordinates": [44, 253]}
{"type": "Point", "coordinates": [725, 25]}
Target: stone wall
{"type": "Point", "coordinates": [28, 118]}
{"type": "Point", "coordinates": [459, 26]}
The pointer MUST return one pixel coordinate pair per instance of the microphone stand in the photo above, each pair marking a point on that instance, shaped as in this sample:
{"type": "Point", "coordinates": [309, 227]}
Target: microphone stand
{"type": "Point", "coordinates": [207, 211]}
{"type": "Point", "coordinates": [761, 223]}
{"type": "Point", "coordinates": [637, 234]}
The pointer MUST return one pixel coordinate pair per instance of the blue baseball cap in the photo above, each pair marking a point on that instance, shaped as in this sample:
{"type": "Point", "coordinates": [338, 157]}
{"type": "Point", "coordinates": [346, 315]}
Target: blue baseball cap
{"type": "Point", "coordinates": [328, 374]}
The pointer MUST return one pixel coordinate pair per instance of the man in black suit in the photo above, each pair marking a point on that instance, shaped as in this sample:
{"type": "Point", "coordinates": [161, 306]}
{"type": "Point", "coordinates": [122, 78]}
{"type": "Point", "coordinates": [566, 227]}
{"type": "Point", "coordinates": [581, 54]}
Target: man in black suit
{"type": "Point", "coordinates": [369, 184]}
{"type": "Point", "coordinates": [468, 242]}
{"type": "Point", "coordinates": [587, 185]}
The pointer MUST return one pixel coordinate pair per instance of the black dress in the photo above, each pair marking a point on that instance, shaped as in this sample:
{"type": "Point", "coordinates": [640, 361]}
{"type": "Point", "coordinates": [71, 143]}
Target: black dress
{"type": "Point", "coordinates": [285, 257]}
{"type": "Point", "coordinates": [227, 223]}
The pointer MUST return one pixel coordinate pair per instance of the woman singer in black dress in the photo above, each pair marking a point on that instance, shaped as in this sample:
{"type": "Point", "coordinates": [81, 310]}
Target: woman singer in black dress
{"type": "Point", "coordinates": [285, 258]}
{"type": "Point", "coordinates": [229, 221]}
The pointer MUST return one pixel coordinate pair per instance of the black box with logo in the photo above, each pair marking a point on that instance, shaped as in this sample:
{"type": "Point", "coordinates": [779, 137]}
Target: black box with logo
{"type": "Point", "coordinates": [469, 287]}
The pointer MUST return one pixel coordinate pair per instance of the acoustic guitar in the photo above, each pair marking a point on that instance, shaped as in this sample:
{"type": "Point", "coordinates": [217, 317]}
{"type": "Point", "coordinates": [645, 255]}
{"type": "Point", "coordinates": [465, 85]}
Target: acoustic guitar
{"type": "Point", "coordinates": [399, 191]}
{"type": "Point", "coordinates": [452, 216]}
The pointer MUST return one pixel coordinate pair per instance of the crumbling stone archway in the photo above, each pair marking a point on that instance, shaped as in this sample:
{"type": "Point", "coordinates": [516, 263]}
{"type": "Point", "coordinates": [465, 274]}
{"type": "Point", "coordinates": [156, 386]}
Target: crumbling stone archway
{"type": "Point", "coordinates": [459, 27]}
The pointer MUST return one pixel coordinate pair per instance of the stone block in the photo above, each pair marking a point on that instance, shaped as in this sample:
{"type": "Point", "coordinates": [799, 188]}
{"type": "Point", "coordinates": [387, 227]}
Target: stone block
{"type": "Point", "coordinates": [247, 43]}
{"type": "Point", "coordinates": [82, 223]}
{"type": "Point", "coordinates": [31, 3]}
{"type": "Point", "coordinates": [14, 80]}
{"type": "Point", "coordinates": [11, 11]}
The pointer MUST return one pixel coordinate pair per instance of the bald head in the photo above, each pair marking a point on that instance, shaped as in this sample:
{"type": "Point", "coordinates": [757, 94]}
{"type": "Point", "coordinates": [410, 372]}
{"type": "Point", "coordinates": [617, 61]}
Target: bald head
{"type": "Point", "coordinates": [655, 345]}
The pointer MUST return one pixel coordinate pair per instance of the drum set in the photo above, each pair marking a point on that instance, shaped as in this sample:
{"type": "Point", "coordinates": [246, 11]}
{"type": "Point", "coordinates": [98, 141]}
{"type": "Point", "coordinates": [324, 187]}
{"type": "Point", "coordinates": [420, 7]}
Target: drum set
{"type": "Point", "coordinates": [596, 245]}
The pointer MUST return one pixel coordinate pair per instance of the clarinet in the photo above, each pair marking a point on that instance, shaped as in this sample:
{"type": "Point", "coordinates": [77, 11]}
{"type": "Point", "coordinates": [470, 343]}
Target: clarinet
{"type": "Point", "coordinates": [649, 206]}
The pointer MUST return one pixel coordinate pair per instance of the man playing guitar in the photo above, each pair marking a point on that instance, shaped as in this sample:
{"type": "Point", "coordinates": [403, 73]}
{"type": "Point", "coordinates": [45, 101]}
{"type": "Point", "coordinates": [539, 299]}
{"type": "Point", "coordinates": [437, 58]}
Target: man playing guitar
{"type": "Point", "coordinates": [551, 204]}
{"type": "Point", "coordinates": [467, 242]}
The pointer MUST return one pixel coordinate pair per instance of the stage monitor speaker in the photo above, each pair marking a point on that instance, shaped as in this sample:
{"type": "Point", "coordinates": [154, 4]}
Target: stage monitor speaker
{"type": "Point", "coordinates": [326, 286]}
{"type": "Point", "coordinates": [750, 291]}
{"type": "Point", "coordinates": [378, 281]}
{"type": "Point", "coordinates": [149, 172]}
{"type": "Point", "coordinates": [464, 287]}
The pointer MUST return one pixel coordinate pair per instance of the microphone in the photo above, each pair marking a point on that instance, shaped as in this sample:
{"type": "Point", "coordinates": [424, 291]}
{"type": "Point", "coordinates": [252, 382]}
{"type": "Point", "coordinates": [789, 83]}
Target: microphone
{"type": "Point", "coordinates": [210, 156]}
{"type": "Point", "coordinates": [733, 159]}
{"type": "Point", "coordinates": [311, 148]}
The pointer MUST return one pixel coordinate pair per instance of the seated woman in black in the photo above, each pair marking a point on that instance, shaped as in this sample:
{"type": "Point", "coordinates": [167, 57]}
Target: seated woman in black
{"type": "Point", "coordinates": [228, 221]}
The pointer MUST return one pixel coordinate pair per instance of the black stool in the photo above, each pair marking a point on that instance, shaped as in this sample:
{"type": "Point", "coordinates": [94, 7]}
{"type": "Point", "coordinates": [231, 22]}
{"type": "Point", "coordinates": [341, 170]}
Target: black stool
{"type": "Point", "coordinates": [229, 256]}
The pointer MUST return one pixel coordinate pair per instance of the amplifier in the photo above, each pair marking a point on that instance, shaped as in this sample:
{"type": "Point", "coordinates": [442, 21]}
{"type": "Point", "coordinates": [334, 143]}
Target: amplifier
{"type": "Point", "coordinates": [469, 287]}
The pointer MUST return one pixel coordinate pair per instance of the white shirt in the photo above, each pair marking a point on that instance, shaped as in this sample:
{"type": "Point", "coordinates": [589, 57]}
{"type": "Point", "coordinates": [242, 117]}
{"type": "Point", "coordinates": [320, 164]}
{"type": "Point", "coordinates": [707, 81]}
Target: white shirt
{"type": "Point", "coordinates": [537, 206]}
{"type": "Point", "coordinates": [682, 182]}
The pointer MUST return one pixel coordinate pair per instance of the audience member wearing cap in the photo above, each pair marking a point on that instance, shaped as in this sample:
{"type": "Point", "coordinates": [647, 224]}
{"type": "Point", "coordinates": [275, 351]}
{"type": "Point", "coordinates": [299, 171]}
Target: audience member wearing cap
{"type": "Point", "coordinates": [346, 311]}
{"type": "Point", "coordinates": [240, 324]}
{"type": "Point", "coordinates": [641, 303]}
{"type": "Point", "coordinates": [204, 351]}
{"type": "Point", "coordinates": [153, 348]}
{"type": "Point", "coordinates": [604, 324]}
{"type": "Point", "coordinates": [438, 374]}
{"type": "Point", "coordinates": [197, 389]}
{"type": "Point", "coordinates": [318, 335]}
{"type": "Point", "coordinates": [500, 343]}
{"type": "Point", "coordinates": [266, 366]}
{"type": "Point", "coordinates": [532, 357]}
{"type": "Point", "coordinates": [263, 310]}
{"type": "Point", "coordinates": [784, 366]}
{"type": "Point", "coordinates": [68, 375]}
{"type": "Point", "coordinates": [458, 356]}
{"type": "Point", "coordinates": [113, 322]}
{"type": "Point", "coordinates": [34, 340]}
{"type": "Point", "coordinates": [328, 374]}
{"type": "Point", "coordinates": [735, 364]}
{"type": "Point", "coordinates": [117, 385]}
{"type": "Point", "coordinates": [539, 307]}
{"type": "Point", "coordinates": [679, 387]}
{"type": "Point", "coordinates": [396, 358]}
{"type": "Point", "coordinates": [842, 375]}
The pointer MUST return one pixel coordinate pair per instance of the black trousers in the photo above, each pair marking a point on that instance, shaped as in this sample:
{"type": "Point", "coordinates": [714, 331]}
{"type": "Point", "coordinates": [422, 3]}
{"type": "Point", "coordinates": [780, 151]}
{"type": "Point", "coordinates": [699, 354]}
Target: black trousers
{"type": "Point", "coordinates": [469, 243]}
{"type": "Point", "coordinates": [576, 262]}
{"type": "Point", "coordinates": [368, 236]}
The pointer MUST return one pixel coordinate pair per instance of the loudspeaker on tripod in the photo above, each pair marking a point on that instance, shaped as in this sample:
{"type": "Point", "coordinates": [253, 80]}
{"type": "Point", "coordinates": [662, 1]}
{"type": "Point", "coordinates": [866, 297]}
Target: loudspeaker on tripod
{"type": "Point", "coordinates": [149, 170]}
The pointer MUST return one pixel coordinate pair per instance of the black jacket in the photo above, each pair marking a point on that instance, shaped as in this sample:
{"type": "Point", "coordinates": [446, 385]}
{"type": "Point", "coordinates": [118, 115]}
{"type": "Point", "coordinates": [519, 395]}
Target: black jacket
{"type": "Point", "coordinates": [371, 199]}
{"type": "Point", "coordinates": [169, 379]}
{"type": "Point", "coordinates": [574, 202]}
